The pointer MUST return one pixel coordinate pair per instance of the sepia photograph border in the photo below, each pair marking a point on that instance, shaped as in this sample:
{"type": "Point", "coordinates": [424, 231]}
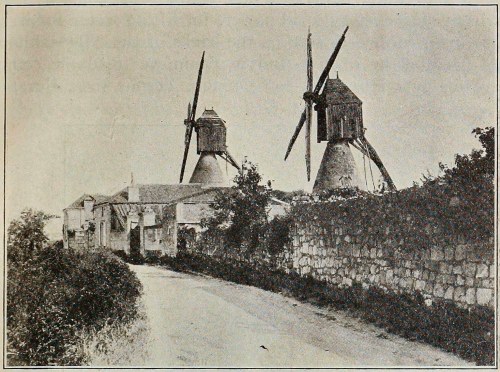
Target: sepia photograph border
{"type": "Point", "coordinates": [12, 4]}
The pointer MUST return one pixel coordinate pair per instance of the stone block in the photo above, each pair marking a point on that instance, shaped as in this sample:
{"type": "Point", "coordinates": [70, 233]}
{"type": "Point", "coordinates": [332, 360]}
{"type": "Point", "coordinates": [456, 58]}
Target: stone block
{"type": "Point", "coordinates": [373, 253]}
{"type": "Point", "coordinates": [440, 278]}
{"type": "Point", "coordinates": [419, 285]}
{"type": "Point", "coordinates": [492, 271]}
{"type": "Point", "coordinates": [484, 296]}
{"type": "Point", "coordinates": [448, 295]}
{"type": "Point", "coordinates": [470, 269]}
{"type": "Point", "coordinates": [482, 271]}
{"type": "Point", "coordinates": [347, 239]}
{"type": "Point", "coordinates": [410, 283]}
{"type": "Point", "coordinates": [470, 296]}
{"type": "Point", "coordinates": [460, 280]}
{"type": "Point", "coordinates": [445, 268]}
{"type": "Point", "coordinates": [380, 253]}
{"type": "Point", "coordinates": [438, 290]}
{"type": "Point", "coordinates": [433, 265]}
{"type": "Point", "coordinates": [383, 277]}
{"type": "Point", "coordinates": [459, 294]}
{"type": "Point", "coordinates": [449, 253]}
{"type": "Point", "coordinates": [356, 251]}
{"type": "Point", "coordinates": [437, 253]}
{"type": "Point", "coordinates": [347, 281]}
{"type": "Point", "coordinates": [488, 283]}
{"type": "Point", "coordinates": [429, 288]}
{"type": "Point", "coordinates": [469, 282]}
{"type": "Point", "coordinates": [389, 276]}
{"type": "Point", "coordinates": [460, 252]}
{"type": "Point", "coordinates": [457, 269]}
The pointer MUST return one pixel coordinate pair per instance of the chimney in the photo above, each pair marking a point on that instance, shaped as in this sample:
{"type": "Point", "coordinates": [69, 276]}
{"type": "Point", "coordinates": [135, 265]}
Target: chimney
{"type": "Point", "coordinates": [133, 191]}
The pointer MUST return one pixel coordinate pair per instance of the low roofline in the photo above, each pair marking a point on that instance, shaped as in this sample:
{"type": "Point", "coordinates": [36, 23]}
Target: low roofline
{"type": "Point", "coordinates": [280, 201]}
{"type": "Point", "coordinates": [204, 190]}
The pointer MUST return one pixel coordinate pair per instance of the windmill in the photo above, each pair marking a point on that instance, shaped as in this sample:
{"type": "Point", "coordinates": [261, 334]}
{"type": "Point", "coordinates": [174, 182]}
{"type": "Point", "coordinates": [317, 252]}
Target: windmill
{"type": "Point", "coordinates": [340, 123]}
{"type": "Point", "coordinates": [211, 141]}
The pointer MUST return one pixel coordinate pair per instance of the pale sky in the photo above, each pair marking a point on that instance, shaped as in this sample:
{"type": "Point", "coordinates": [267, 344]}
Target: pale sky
{"type": "Point", "coordinates": [97, 92]}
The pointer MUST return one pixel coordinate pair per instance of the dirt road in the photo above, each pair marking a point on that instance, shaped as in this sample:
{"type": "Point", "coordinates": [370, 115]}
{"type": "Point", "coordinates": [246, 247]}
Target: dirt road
{"type": "Point", "coordinates": [200, 321]}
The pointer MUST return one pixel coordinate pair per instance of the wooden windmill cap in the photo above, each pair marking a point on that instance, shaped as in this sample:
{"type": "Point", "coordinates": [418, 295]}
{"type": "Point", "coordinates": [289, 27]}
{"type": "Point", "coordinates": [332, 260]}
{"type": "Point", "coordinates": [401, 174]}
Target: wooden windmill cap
{"type": "Point", "coordinates": [338, 93]}
{"type": "Point", "coordinates": [210, 117]}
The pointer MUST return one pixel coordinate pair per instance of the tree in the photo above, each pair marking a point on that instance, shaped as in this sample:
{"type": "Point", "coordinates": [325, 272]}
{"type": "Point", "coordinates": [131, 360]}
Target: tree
{"type": "Point", "coordinates": [26, 235]}
{"type": "Point", "coordinates": [241, 213]}
{"type": "Point", "coordinates": [479, 164]}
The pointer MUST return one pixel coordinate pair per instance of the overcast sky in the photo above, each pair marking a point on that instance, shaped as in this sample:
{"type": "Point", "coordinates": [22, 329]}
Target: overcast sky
{"type": "Point", "coordinates": [97, 92]}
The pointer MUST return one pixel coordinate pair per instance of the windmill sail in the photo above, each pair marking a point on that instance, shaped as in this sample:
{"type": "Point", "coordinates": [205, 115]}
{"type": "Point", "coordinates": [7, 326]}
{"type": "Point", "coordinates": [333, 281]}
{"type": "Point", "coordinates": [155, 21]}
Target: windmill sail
{"type": "Point", "coordinates": [190, 119]}
{"type": "Point", "coordinates": [319, 85]}
{"type": "Point", "coordinates": [309, 107]}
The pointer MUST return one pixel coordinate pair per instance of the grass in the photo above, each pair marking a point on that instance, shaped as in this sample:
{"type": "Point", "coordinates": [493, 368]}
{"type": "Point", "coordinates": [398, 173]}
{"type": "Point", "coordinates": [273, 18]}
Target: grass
{"type": "Point", "coordinates": [118, 345]}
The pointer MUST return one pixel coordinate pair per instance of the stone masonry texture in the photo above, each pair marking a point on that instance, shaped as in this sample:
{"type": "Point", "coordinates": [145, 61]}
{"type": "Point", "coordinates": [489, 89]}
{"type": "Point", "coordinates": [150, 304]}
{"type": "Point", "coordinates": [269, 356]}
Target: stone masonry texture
{"type": "Point", "coordinates": [463, 273]}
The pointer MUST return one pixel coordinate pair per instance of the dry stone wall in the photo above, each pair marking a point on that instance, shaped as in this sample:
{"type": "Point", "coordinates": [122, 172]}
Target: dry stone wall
{"type": "Point", "coordinates": [460, 272]}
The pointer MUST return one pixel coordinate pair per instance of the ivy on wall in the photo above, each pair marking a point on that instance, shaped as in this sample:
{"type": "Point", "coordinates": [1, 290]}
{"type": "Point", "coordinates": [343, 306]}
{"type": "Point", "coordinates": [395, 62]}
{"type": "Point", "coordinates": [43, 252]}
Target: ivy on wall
{"type": "Point", "coordinates": [459, 205]}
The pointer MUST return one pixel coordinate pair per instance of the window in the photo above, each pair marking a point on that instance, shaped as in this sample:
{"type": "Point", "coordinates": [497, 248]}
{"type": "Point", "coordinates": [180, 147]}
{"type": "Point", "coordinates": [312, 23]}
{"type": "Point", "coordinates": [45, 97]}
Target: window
{"type": "Point", "coordinates": [102, 234]}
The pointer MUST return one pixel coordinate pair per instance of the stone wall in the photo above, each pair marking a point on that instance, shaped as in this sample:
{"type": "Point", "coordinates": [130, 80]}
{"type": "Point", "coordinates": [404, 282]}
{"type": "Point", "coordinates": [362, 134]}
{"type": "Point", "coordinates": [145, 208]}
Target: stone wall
{"type": "Point", "coordinates": [461, 272]}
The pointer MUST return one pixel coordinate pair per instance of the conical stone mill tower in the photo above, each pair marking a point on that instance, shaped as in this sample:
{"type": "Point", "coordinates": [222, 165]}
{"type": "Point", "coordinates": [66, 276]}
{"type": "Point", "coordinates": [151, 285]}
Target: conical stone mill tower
{"type": "Point", "coordinates": [340, 123]}
{"type": "Point", "coordinates": [210, 141]}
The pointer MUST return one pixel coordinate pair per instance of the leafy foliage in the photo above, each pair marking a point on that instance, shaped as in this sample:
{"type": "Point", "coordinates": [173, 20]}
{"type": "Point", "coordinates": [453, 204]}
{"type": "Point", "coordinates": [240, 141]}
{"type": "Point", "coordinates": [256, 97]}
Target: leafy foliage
{"type": "Point", "coordinates": [26, 235]}
{"type": "Point", "coordinates": [457, 205]}
{"type": "Point", "coordinates": [54, 295]}
{"type": "Point", "coordinates": [241, 215]}
{"type": "Point", "coordinates": [278, 235]}
{"type": "Point", "coordinates": [479, 163]}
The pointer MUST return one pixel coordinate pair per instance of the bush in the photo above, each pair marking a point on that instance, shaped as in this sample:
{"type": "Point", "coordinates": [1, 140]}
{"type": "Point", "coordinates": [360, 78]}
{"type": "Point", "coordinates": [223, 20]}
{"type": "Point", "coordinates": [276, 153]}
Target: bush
{"type": "Point", "coordinates": [54, 295]}
{"type": "Point", "coordinates": [278, 235]}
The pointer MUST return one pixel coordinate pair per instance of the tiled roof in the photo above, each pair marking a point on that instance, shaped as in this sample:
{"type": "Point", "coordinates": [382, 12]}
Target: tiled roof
{"type": "Point", "coordinates": [159, 193]}
{"type": "Point", "coordinates": [78, 203]}
{"type": "Point", "coordinates": [338, 93]}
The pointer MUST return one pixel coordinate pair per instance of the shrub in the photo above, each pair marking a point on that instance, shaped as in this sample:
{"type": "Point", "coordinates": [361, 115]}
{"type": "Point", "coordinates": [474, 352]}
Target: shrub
{"type": "Point", "coordinates": [278, 235]}
{"type": "Point", "coordinates": [55, 295]}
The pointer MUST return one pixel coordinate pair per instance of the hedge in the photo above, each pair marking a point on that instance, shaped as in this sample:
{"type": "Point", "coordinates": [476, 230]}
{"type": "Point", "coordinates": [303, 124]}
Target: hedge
{"type": "Point", "coordinates": [56, 296]}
